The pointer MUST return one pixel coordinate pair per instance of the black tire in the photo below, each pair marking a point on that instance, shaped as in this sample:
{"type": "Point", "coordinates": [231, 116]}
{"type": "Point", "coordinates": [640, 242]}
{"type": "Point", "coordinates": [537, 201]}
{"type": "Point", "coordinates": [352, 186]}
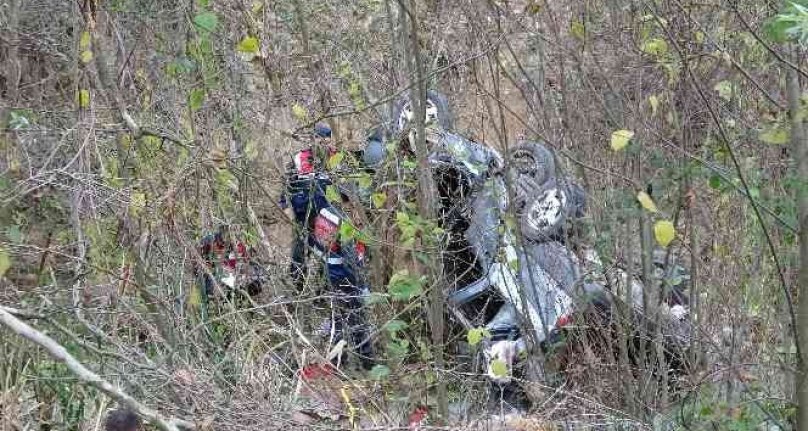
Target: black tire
{"type": "Point", "coordinates": [402, 112]}
{"type": "Point", "coordinates": [531, 165]}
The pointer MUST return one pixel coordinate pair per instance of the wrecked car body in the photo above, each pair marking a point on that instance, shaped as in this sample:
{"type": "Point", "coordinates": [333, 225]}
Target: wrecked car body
{"type": "Point", "coordinates": [509, 264]}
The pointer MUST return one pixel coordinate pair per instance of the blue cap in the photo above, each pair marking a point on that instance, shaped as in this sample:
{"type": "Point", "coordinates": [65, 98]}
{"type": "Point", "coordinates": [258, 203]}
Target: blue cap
{"type": "Point", "coordinates": [322, 130]}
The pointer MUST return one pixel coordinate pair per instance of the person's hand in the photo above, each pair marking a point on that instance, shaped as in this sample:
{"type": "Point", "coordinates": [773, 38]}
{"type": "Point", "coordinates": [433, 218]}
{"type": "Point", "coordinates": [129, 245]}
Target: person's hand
{"type": "Point", "coordinates": [289, 213]}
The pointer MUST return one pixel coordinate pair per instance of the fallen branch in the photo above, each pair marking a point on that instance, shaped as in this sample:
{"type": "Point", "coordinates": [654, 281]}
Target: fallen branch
{"type": "Point", "coordinates": [60, 354]}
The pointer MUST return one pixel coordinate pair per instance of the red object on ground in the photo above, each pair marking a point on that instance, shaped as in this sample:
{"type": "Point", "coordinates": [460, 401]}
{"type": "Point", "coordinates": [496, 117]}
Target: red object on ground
{"type": "Point", "coordinates": [316, 371]}
{"type": "Point", "coordinates": [563, 321]}
{"type": "Point", "coordinates": [417, 417]}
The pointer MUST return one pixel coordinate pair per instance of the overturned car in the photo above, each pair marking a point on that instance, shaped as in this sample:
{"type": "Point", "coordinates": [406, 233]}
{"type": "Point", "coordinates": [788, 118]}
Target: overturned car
{"type": "Point", "coordinates": [513, 268]}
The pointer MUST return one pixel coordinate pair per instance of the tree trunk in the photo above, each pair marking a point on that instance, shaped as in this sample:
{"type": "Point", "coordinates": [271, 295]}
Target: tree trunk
{"type": "Point", "coordinates": [426, 193]}
{"type": "Point", "coordinates": [799, 148]}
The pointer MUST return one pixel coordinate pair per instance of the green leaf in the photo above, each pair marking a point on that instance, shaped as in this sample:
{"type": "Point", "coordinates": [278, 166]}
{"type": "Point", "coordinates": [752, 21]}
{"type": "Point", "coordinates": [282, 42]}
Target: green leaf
{"type": "Point", "coordinates": [499, 368]}
{"type": "Point", "coordinates": [86, 56]}
{"type": "Point", "coordinates": [475, 335]}
{"type": "Point", "coordinates": [402, 217]}
{"type": "Point", "coordinates": [533, 8]}
{"type": "Point", "coordinates": [398, 348]}
{"type": "Point", "coordinates": [18, 121]}
{"type": "Point", "coordinates": [725, 90]}
{"type": "Point", "coordinates": [777, 29]}
{"type": "Point", "coordinates": [656, 47]}
{"type": "Point", "coordinates": [248, 45]}
{"type": "Point", "coordinates": [364, 180]}
{"type": "Point", "coordinates": [196, 98]}
{"type": "Point", "coordinates": [300, 112]}
{"type": "Point", "coordinates": [347, 230]}
{"type": "Point", "coordinates": [395, 325]}
{"type": "Point", "coordinates": [5, 262]}
{"type": "Point", "coordinates": [206, 21]}
{"type": "Point", "coordinates": [378, 199]}
{"type": "Point", "coordinates": [403, 286]}
{"type": "Point", "coordinates": [777, 134]}
{"type": "Point", "coordinates": [14, 233]}
{"type": "Point", "coordinates": [83, 98]}
{"type": "Point", "coordinates": [226, 180]}
{"type": "Point", "coordinates": [379, 372]}
{"type": "Point", "coordinates": [621, 138]}
{"type": "Point", "coordinates": [715, 182]}
{"type": "Point", "coordinates": [332, 194]}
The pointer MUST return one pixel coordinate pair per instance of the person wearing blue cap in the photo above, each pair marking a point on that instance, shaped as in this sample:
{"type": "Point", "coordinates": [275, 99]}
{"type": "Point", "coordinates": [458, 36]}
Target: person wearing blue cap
{"type": "Point", "coordinates": [306, 169]}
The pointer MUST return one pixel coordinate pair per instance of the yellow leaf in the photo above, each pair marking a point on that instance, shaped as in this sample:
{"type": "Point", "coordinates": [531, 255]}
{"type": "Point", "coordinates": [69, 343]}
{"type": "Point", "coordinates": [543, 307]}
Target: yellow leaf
{"type": "Point", "coordinates": [475, 335]}
{"type": "Point", "coordinates": [646, 202]}
{"type": "Point", "coordinates": [137, 203]}
{"type": "Point", "coordinates": [84, 42]}
{"type": "Point", "coordinates": [620, 139]}
{"type": "Point", "coordinates": [499, 368]}
{"type": "Point", "coordinates": [194, 297]}
{"type": "Point", "coordinates": [335, 160]}
{"type": "Point", "coordinates": [653, 100]}
{"type": "Point", "coordinates": [257, 7]}
{"type": "Point", "coordinates": [378, 199]}
{"type": "Point", "coordinates": [657, 47]}
{"type": "Point", "coordinates": [249, 45]}
{"type": "Point", "coordinates": [664, 232]}
{"type": "Point", "coordinates": [578, 30]}
{"type": "Point", "coordinates": [300, 112]}
{"type": "Point", "coordinates": [5, 262]}
{"type": "Point", "coordinates": [86, 56]}
{"type": "Point", "coordinates": [83, 98]}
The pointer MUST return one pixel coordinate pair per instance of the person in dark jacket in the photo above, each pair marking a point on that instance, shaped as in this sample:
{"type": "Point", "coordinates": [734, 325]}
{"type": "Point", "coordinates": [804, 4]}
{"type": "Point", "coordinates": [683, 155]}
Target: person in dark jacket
{"type": "Point", "coordinates": [318, 219]}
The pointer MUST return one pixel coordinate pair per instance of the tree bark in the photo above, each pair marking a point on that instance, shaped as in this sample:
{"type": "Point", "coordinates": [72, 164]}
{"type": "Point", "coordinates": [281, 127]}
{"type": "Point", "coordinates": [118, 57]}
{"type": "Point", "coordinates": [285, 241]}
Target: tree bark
{"type": "Point", "coordinates": [426, 192]}
{"type": "Point", "coordinates": [799, 148]}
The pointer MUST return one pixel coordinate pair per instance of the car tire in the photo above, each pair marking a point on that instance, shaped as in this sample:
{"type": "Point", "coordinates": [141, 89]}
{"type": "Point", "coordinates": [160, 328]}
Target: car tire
{"type": "Point", "coordinates": [437, 110]}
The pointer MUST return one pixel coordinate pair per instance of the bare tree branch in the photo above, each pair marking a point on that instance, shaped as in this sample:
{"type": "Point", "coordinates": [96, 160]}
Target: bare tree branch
{"type": "Point", "coordinates": [84, 374]}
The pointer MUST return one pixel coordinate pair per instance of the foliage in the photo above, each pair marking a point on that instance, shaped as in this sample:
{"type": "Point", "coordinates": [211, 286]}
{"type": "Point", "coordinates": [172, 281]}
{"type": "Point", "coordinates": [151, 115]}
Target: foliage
{"type": "Point", "coordinates": [404, 287]}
